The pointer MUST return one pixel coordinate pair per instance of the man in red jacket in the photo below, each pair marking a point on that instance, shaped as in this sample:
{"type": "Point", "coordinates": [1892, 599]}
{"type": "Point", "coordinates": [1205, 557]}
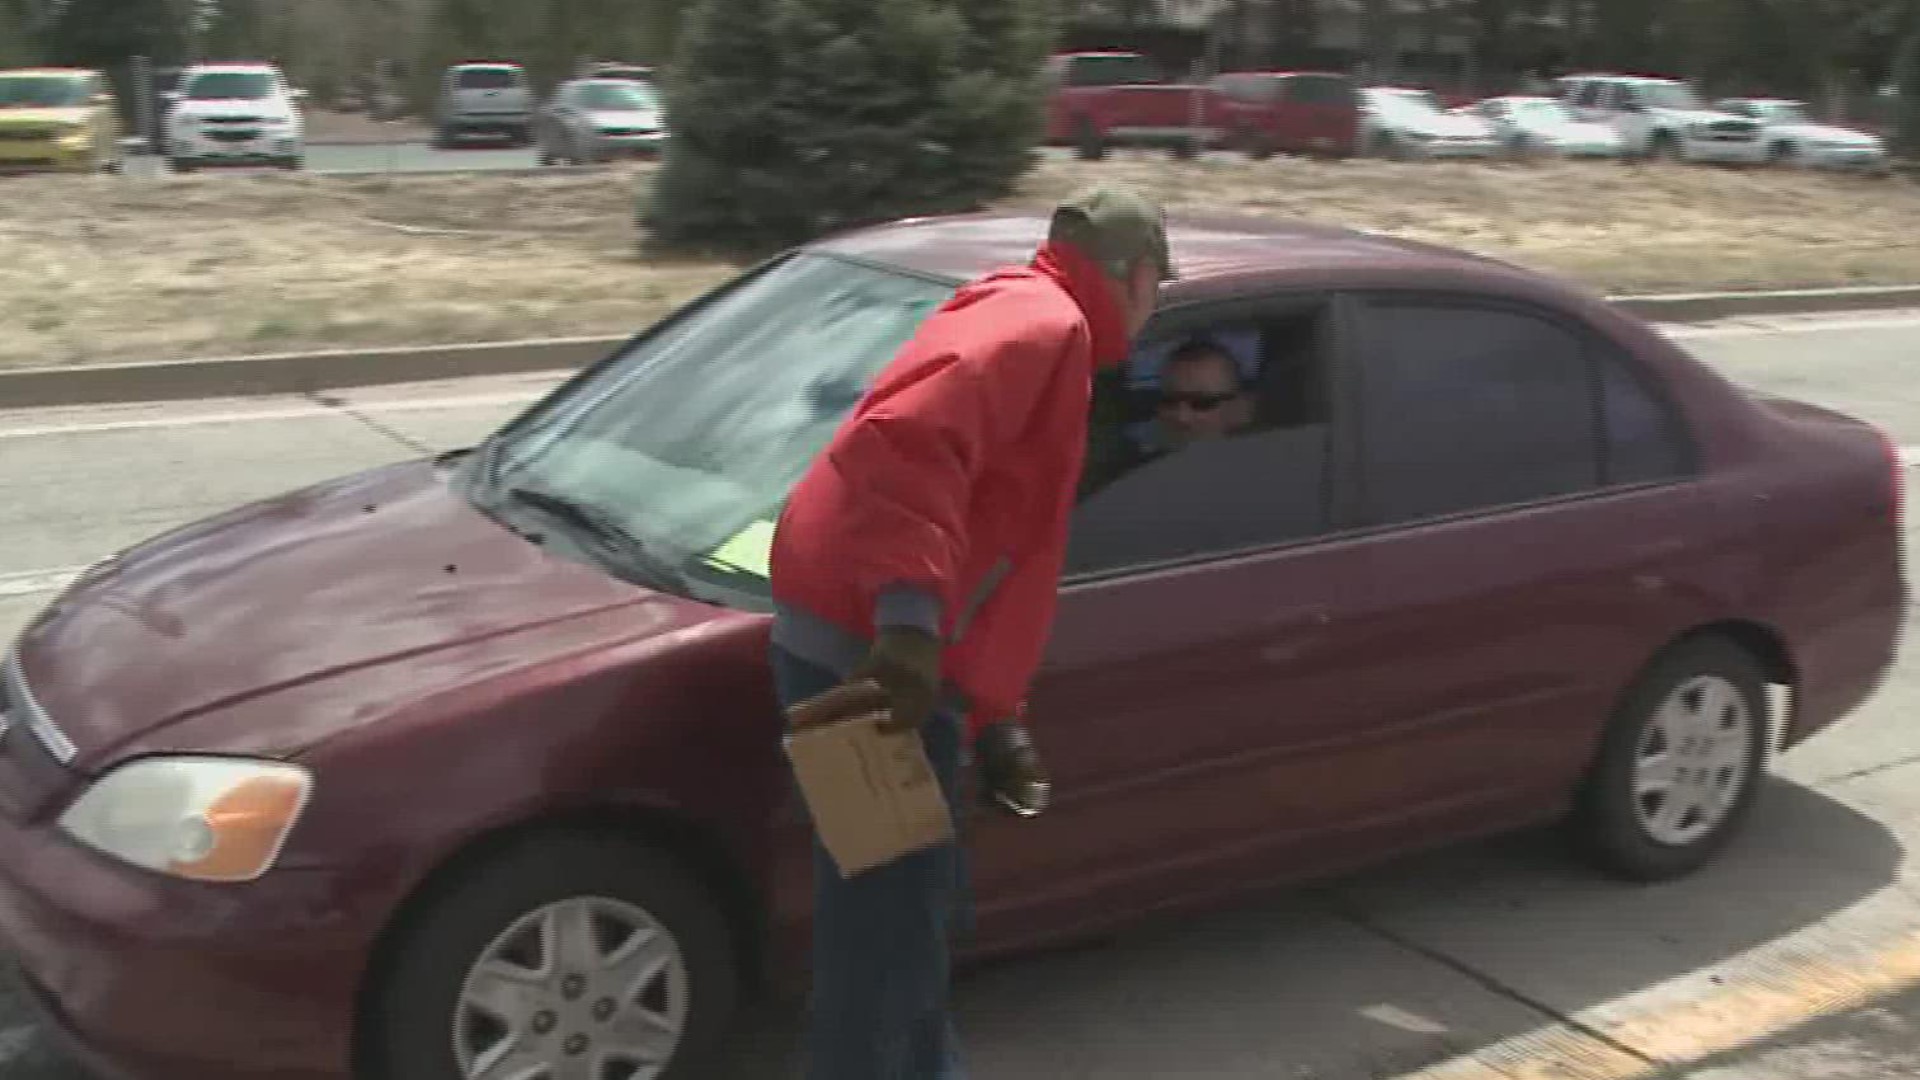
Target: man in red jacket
{"type": "Point", "coordinates": [922, 552]}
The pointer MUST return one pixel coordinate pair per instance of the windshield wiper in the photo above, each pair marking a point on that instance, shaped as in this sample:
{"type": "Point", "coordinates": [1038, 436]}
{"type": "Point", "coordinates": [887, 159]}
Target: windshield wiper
{"type": "Point", "coordinates": [604, 526]}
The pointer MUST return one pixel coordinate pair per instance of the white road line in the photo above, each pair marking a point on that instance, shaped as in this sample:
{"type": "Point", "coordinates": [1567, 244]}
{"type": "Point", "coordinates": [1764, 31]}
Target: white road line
{"type": "Point", "coordinates": [28, 582]}
{"type": "Point", "coordinates": [1680, 332]}
{"type": "Point", "coordinates": [296, 412]}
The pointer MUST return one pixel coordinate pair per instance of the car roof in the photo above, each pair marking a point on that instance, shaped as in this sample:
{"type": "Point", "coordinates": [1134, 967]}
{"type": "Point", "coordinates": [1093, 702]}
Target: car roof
{"type": "Point", "coordinates": [1290, 74]}
{"type": "Point", "coordinates": [250, 69]}
{"type": "Point", "coordinates": [1212, 248]}
{"type": "Point", "coordinates": [483, 64]}
{"type": "Point", "coordinates": [50, 71]}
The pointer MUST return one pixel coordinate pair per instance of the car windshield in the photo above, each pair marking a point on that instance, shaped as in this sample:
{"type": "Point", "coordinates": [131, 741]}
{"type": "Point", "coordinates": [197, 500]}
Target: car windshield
{"type": "Point", "coordinates": [691, 439]}
{"type": "Point", "coordinates": [1669, 95]}
{"type": "Point", "coordinates": [617, 96]}
{"type": "Point", "coordinates": [231, 86]}
{"type": "Point", "coordinates": [42, 91]}
{"type": "Point", "coordinates": [1542, 110]}
{"type": "Point", "coordinates": [1783, 112]}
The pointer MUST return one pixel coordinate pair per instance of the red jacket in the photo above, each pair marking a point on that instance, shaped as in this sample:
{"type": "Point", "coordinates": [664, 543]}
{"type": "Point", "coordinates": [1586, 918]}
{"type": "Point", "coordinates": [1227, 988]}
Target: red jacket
{"type": "Point", "coordinates": [944, 499]}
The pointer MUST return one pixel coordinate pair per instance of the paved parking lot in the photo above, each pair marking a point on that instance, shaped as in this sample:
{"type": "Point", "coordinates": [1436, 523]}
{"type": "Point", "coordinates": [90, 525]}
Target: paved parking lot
{"type": "Point", "coordinates": [1500, 960]}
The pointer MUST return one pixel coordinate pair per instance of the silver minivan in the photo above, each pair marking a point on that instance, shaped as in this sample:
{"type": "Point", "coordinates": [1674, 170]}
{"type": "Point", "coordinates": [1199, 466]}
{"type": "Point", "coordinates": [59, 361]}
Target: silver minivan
{"type": "Point", "coordinates": [484, 99]}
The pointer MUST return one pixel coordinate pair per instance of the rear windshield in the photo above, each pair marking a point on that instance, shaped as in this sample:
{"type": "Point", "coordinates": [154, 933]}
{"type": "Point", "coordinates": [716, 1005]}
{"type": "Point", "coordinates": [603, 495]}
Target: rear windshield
{"type": "Point", "coordinates": [617, 96]}
{"type": "Point", "coordinates": [1320, 90]}
{"type": "Point", "coordinates": [231, 86]}
{"type": "Point", "coordinates": [1117, 70]}
{"type": "Point", "coordinates": [491, 78]}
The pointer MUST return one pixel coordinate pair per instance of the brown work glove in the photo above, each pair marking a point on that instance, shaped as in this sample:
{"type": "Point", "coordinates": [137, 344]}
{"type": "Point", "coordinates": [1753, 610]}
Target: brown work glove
{"type": "Point", "coordinates": [905, 663]}
{"type": "Point", "coordinates": [1012, 777]}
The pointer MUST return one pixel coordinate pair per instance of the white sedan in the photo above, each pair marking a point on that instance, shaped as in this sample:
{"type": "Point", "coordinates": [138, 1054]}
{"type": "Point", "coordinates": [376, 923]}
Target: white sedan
{"type": "Point", "coordinates": [1793, 137]}
{"type": "Point", "coordinates": [1530, 125]}
{"type": "Point", "coordinates": [1401, 123]}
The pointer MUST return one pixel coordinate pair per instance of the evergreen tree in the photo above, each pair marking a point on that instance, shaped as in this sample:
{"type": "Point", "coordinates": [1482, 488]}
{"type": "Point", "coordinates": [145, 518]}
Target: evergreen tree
{"type": "Point", "coordinates": [792, 118]}
{"type": "Point", "coordinates": [108, 33]}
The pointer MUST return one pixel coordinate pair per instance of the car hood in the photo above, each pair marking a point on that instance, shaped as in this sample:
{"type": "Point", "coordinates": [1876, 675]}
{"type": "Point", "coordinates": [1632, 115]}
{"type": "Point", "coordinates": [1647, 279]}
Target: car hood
{"type": "Point", "coordinates": [1577, 131]}
{"type": "Point", "coordinates": [625, 118]}
{"type": "Point", "coordinates": [41, 117]}
{"type": "Point", "coordinates": [1441, 124]}
{"type": "Point", "coordinates": [388, 579]}
{"type": "Point", "coordinates": [1705, 116]}
{"type": "Point", "coordinates": [225, 109]}
{"type": "Point", "coordinates": [1824, 133]}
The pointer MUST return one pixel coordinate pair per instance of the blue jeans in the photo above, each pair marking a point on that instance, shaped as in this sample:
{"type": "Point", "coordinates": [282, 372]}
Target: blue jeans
{"type": "Point", "coordinates": [882, 939]}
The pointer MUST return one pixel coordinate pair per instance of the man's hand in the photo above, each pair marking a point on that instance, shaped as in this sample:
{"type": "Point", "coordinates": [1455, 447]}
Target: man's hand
{"type": "Point", "coordinates": [905, 664]}
{"type": "Point", "coordinates": [1012, 777]}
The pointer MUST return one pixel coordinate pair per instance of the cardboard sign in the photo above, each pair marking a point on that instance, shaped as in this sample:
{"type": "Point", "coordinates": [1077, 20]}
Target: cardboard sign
{"type": "Point", "coordinates": [873, 794]}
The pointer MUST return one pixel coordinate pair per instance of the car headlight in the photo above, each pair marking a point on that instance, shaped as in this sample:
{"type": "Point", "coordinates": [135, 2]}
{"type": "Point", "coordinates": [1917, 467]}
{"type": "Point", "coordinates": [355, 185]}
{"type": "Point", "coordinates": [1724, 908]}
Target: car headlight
{"type": "Point", "coordinates": [202, 818]}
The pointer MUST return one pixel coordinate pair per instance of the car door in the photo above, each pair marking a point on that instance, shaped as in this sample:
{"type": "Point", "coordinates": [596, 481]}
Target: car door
{"type": "Point", "coordinates": [1198, 702]}
{"type": "Point", "coordinates": [1527, 493]}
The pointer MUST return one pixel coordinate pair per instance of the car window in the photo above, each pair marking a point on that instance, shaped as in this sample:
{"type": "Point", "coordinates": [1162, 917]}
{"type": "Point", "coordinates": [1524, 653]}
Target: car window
{"type": "Point", "coordinates": [616, 96]}
{"type": "Point", "coordinates": [1319, 90]}
{"type": "Point", "coordinates": [1260, 482]}
{"type": "Point", "coordinates": [1470, 408]}
{"type": "Point", "coordinates": [1116, 70]}
{"type": "Point", "coordinates": [491, 78]}
{"type": "Point", "coordinates": [1644, 439]}
{"type": "Point", "coordinates": [1589, 95]}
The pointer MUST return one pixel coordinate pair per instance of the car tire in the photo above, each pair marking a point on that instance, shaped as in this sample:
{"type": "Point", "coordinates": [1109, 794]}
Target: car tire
{"type": "Point", "coordinates": [1088, 143]}
{"type": "Point", "coordinates": [181, 165]}
{"type": "Point", "coordinates": [1665, 149]}
{"type": "Point", "coordinates": [444, 138]}
{"type": "Point", "coordinates": [1679, 765]}
{"type": "Point", "coordinates": [1388, 148]}
{"type": "Point", "coordinates": [293, 164]}
{"type": "Point", "coordinates": [1254, 143]}
{"type": "Point", "coordinates": [1780, 155]}
{"type": "Point", "coordinates": [420, 1023]}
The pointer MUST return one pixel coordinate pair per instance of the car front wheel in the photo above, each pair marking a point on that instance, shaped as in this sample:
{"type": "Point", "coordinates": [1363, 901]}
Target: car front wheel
{"type": "Point", "coordinates": [569, 955]}
{"type": "Point", "coordinates": [1679, 765]}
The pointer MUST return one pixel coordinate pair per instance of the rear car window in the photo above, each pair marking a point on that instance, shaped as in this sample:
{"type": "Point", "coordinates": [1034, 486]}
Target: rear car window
{"type": "Point", "coordinates": [1320, 90]}
{"type": "Point", "coordinates": [487, 78]}
{"type": "Point", "coordinates": [1473, 408]}
{"type": "Point", "coordinates": [1113, 71]}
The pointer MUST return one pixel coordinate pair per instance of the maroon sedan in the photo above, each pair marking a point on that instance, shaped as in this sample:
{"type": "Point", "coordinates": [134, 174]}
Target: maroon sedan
{"type": "Point", "coordinates": [469, 767]}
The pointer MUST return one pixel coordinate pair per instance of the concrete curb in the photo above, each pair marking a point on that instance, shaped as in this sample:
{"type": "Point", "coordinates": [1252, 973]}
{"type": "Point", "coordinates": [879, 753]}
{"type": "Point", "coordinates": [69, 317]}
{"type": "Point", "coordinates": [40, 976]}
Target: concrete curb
{"type": "Point", "coordinates": [294, 373]}
{"type": "Point", "coordinates": [289, 373]}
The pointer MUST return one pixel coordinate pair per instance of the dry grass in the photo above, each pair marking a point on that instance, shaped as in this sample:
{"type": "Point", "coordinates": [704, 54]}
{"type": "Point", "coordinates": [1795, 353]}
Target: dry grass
{"type": "Point", "coordinates": [100, 269]}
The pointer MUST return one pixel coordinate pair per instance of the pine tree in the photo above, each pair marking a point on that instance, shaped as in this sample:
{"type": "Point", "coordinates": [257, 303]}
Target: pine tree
{"type": "Point", "coordinates": [792, 118]}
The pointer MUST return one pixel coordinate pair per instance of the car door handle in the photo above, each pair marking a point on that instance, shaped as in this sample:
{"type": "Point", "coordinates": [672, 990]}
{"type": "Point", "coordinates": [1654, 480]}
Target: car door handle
{"type": "Point", "coordinates": [1312, 617]}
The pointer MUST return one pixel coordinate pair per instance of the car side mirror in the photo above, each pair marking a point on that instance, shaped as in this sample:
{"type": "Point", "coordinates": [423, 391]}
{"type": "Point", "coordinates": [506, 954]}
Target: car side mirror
{"type": "Point", "coordinates": [171, 97]}
{"type": "Point", "coordinates": [103, 99]}
{"type": "Point", "coordinates": [297, 95]}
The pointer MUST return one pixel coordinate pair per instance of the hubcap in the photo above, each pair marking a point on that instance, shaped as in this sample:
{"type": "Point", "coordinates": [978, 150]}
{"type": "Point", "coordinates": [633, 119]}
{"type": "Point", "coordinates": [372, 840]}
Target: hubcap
{"type": "Point", "coordinates": [1691, 762]}
{"type": "Point", "coordinates": [582, 989]}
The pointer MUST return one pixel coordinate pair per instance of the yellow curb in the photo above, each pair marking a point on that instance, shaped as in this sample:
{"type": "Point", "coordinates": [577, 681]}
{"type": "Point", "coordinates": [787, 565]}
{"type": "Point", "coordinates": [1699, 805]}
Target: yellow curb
{"type": "Point", "coordinates": [1827, 969]}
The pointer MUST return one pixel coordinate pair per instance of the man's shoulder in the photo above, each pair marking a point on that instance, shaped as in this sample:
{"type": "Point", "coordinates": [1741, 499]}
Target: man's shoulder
{"type": "Point", "coordinates": [1023, 298]}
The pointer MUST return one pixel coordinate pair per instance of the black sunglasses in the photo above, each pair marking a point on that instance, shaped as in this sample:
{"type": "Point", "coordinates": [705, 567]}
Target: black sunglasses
{"type": "Point", "coordinates": [1197, 400]}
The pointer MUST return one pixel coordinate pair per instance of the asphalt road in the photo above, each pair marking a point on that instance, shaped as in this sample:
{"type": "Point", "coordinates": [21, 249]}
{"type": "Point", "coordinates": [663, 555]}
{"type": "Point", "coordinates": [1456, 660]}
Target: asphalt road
{"type": "Point", "coordinates": [1499, 960]}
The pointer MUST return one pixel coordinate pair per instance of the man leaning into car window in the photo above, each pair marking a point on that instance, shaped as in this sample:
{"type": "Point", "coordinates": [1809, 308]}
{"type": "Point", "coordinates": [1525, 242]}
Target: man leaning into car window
{"type": "Point", "coordinates": [915, 567]}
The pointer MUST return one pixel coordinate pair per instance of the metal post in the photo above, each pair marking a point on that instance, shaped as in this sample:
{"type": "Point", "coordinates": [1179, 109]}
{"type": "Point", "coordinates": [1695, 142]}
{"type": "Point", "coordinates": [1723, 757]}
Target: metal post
{"type": "Point", "coordinates": [141, 73]}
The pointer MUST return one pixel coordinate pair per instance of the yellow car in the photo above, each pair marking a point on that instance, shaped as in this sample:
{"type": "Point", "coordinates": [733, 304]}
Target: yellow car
{"type": "Point", "coordinates": [62, 119]}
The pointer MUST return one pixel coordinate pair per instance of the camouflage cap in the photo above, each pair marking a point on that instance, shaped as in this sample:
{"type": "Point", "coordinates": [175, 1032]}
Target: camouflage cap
{"type": "Point", "coordinates": [1115, 226]}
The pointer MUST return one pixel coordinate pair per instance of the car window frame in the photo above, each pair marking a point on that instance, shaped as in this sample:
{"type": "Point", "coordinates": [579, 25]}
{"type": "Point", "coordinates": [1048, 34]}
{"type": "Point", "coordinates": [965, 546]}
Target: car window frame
{"type": "Point", "coordinates": [1190, 317]}
{"type": "Point", "coordinates": [1595, 348]}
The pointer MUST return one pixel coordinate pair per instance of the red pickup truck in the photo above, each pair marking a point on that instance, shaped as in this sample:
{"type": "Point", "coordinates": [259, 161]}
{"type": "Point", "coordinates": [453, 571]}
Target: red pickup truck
{"type": "Point", "coordinates": [1101, 99]}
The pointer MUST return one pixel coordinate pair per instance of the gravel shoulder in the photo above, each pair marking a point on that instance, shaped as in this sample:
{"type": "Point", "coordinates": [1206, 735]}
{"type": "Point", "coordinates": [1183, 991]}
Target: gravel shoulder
{"type": "Point", "coordinates": [102, 269]}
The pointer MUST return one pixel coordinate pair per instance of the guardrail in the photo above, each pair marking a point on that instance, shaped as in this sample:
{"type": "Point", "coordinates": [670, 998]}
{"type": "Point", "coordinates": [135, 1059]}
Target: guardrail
{"type": "Point", "coordinates": [297, 373]}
